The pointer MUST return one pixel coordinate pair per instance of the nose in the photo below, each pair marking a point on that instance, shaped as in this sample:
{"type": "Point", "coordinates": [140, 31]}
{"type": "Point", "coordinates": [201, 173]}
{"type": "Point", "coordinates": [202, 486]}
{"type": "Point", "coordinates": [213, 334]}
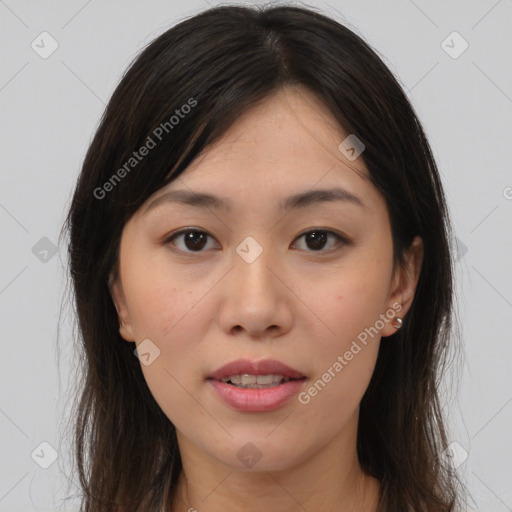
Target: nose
{"type": "Point", "coordinates": [256, 299]}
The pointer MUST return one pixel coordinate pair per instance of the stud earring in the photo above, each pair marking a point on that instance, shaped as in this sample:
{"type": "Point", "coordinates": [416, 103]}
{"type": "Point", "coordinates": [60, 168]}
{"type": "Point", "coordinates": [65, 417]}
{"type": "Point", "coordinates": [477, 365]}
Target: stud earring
{"type": "Point", "coordinates": [397, 323]}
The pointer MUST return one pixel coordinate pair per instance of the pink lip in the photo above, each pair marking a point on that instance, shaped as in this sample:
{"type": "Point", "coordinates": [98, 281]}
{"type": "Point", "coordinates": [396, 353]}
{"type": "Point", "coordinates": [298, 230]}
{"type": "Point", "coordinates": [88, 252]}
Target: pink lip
{"type": "Point", "coordinates": [256, 400]}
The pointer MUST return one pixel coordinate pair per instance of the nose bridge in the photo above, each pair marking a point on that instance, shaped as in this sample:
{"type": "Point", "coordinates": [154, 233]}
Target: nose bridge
{"type": "Point", "coordinates": [252, 264]}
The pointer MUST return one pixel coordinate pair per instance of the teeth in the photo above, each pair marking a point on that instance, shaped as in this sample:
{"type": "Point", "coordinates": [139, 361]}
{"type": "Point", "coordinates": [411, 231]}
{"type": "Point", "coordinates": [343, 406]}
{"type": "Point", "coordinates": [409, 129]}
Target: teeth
{"type": "Point", "coordinates": [249, 379]}
{"type": "Point", "coordinates": [255, 381]}
{"type": "Point", "coordinates": [259, 379]}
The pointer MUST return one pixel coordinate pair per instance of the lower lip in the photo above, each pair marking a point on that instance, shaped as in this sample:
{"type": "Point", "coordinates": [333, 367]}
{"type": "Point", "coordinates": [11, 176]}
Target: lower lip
{"type": "Point", "coordinates": [256, 400]}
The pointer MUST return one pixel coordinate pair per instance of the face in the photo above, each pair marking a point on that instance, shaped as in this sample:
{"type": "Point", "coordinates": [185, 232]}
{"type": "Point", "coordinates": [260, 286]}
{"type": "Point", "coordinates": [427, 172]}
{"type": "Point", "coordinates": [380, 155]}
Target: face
{"type": "Point", "coordinates": [309, 284]}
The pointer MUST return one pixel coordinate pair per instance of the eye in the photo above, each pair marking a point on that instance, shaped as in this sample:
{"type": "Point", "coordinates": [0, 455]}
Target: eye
{"type": "Point", "coordinates": [316, 239]}
{"type": "Point", "coordinates": [194, 241]}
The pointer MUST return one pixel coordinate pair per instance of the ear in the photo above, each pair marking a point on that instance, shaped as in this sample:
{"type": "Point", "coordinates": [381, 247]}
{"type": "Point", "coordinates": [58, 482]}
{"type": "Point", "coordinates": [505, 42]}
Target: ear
{"type": "Point", "coordinates": [404, 282]}
{"type": "Point", "coordinates": [117, 294]}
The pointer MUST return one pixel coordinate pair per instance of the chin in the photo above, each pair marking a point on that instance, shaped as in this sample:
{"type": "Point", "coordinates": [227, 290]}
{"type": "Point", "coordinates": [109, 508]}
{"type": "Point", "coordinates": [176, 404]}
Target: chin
{"type": "Point", "coordinates": [261, 453]}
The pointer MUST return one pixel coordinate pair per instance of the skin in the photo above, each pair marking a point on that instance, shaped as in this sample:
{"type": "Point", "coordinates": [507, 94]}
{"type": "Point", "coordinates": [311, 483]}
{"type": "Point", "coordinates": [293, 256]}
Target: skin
{"type": "Point", "coordinates": [293, 303]}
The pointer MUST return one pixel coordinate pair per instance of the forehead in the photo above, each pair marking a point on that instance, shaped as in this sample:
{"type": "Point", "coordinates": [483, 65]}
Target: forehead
{"type": "Point", "coordinates": [290, 124]}
{"type": "Point", "coordinates": [288, 135]}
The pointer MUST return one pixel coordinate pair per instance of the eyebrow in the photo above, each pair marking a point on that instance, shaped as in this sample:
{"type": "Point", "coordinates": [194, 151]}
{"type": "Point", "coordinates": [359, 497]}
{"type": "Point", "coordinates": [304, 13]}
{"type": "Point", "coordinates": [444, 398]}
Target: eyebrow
{"type": "Point", "coordinates": [300, 200]}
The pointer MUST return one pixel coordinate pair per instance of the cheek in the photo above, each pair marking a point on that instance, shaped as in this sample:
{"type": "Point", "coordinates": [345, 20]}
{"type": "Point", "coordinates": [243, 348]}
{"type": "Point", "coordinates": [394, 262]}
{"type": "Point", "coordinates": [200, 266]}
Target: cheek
{"type": "Point", "coordinates": [345, 356]}
{"type": "Point", "coordinates": [346, 359]}
{"type": "Point", "coordinates": [159, 296]}
{"type": "Point", "coordinates": [349, 300]}
{"type": "Point", "coordinates": [170, 387]}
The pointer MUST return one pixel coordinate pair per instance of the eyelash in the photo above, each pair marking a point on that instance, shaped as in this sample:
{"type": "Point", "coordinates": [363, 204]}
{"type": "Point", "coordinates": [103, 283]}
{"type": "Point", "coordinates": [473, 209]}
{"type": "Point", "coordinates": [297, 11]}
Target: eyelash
{"type": "Point", "coordinates": [341, 240]}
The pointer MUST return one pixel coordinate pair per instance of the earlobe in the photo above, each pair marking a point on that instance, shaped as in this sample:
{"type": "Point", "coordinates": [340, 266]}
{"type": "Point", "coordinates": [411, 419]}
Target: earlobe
{"type": "Point", "coordinates": [117, 295]}
{"type": "Point", "coordinates": [126, 332]}
{"type": "Point", "coordinates": [394, 324]}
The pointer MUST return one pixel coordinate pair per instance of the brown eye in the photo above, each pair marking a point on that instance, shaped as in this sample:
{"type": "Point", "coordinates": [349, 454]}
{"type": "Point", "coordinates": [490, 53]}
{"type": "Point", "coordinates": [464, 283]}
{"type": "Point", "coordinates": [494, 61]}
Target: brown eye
{"type": "Point", "coordinates": [317, 239]}
{"type": "Point", "coordinates": [192, 240]}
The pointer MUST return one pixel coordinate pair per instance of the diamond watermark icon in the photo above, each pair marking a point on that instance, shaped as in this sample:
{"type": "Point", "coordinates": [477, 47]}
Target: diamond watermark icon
{"type": "Point", "coordinates": [454, 454]}
{"type": "Point", "coordinates": [44, 455]}
{"type": "Point", "coordinates": [351, 147]}
{"type": "Point", "coordinates": [454, 45]}
{"type": "Point", "coordinates": [44, 45]}
{"type": "Point", "coordinates": [249, 249]}
{"type": "Point", "coordinates": [147, 352]}
{"type": "Point", "coordinates": [249, 455]}
{"type": "Point", "coordinates": [44, 250]}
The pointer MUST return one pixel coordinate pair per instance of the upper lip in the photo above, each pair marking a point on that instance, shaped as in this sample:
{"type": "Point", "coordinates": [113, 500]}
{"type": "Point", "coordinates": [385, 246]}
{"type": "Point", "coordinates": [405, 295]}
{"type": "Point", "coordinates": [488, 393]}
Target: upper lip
{"type": "Point", "coordinates": [263, 367]}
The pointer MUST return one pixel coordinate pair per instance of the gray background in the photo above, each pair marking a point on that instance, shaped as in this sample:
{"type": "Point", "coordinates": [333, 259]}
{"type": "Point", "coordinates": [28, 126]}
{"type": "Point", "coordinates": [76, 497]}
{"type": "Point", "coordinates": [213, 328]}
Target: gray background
{"type": "Point", "coordinates": [50, 109]}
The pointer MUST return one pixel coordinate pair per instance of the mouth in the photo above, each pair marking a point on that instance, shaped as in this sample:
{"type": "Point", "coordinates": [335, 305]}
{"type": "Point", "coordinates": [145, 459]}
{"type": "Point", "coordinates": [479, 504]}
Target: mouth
{"type": "Point", "coordinates": [256, 386]}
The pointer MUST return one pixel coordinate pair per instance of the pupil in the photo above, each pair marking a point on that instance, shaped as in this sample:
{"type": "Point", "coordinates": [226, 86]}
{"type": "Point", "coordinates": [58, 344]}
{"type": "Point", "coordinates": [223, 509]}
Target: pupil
{"type": "Point", "coordinates": [193, 240]}
{"type": "Point", "coordinates": [317, 240]}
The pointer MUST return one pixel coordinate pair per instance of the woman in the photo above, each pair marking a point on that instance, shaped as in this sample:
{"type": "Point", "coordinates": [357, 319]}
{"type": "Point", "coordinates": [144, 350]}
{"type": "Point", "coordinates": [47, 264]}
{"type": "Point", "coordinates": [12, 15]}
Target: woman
{"type": "Point", "coordinates": [263, 281]}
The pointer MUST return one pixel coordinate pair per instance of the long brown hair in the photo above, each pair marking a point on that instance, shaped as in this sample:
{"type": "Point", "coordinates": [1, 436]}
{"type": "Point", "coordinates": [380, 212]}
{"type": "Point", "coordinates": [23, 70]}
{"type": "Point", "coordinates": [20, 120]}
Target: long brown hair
{"type": "Point", "coordinates": [220, 63]}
